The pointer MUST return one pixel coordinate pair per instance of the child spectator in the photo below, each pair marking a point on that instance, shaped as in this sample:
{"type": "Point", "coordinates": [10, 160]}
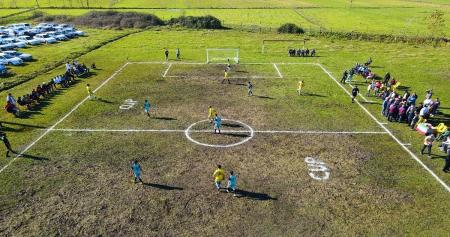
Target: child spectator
{"type": "Point", "coordinates": [428, 143]}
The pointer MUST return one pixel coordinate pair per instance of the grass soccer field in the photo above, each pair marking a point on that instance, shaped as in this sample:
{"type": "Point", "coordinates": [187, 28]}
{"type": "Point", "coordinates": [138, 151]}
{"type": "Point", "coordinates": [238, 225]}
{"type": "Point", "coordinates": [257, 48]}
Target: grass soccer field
{"type": "Point", "coordinates": [314, 164]}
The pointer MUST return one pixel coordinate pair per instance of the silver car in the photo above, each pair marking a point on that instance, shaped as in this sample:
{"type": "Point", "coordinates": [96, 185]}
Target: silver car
{"type": "Point", "coordinates": [45, 38]}
{"type": "Point", "coordinates": [10, 60]}
{"type": "Point", "coordinates": [23, 56]}
{"type": "Point", "coordinates": [29, 40]}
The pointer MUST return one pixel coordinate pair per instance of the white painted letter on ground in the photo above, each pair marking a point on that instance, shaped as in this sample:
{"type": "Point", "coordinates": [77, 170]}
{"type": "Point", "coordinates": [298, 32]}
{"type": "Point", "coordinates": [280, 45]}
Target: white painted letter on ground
{"type": "Point", "coordinates": [317, 169]}
{"type": "Point", "coordinates": [128, 104]}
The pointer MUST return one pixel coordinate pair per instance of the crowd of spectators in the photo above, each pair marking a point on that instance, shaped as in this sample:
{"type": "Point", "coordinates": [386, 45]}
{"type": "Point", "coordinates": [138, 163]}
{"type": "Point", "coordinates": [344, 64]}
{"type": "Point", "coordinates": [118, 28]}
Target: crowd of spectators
{"type": "Point", "coordinates": [405, 107]}
{"type": "Point", "coordinates": [46, 89]}
{"type": "Point", "coordinates": [302, 52]}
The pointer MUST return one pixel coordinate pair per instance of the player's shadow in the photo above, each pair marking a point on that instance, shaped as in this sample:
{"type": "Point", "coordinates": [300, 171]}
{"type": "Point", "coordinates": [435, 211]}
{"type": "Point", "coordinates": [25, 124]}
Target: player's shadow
{"type": "Point", "coordinates": [232, 125]}
{"type": "Point", "coordinates": [253, 195]}
{"type": "Point", "coordinates": [162, 186]}
{"type": "Point", "coordinates": [264, 97]}
{"type": "Point", "coordinates": [436, 156]}
{"type": "Point", "coordinates": [21, 126]}
{"type": "Point", "coordinates": [313, 94]}
{"type": "Point", "coordinates": [235, 134]}
{"type": "Point", "coordinates": [104, 101]}
{"type": "Point", "coordinates": [28, 156]}
{"type": "Point", "coordinates": [165, 118]}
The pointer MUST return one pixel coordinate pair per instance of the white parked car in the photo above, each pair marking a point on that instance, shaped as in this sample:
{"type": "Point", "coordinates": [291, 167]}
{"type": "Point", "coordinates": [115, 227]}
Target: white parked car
{"type": "Point", "coordinates": [68, 32]}
{"type": "Point", "coordinates": [23, 56]}
{"type": "Point", "coordinates": [16, 43]}
{"type": "Point", "coordinates": [29, 40]}
{"type": "Point", "coordinates": [45, 38]}
{"type": "Point", "coordinates": [22, 25]}
{"type": "Point", "coordinates": [80, 33]}
{"type": "Point", "coordinates": [20, 31]}
{"type": "Point", "coordinates": [57, 36]}
{"type": "Point", "coordinates": [3, 70]}
{"type": "Point", "coordinates": [7, 59]}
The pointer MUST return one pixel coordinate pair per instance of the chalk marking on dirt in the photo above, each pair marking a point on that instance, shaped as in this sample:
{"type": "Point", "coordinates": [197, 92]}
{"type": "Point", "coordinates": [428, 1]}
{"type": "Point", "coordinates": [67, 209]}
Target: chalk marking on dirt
{"type": "Point", "coordinates": [388, 131]}
{"type": "Point", "coordinates": [317, 167]}
{"type": "Point", "coordinates": [250, 130]}
{"type": "Point", "coordinates": [278, 70]}
{"type": "Point", "coordinates": [62, 119]}
{"type": "Point", "coordinates": [167, 70]}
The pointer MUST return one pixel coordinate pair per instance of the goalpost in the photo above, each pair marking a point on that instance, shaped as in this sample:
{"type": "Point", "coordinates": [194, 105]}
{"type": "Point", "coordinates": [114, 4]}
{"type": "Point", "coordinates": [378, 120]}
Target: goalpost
{"type": "Point", "coordinates": [222, 55]}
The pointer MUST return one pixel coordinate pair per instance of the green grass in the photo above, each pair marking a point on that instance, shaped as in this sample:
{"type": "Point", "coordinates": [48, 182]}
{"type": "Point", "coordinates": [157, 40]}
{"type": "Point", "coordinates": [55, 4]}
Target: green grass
{"type": "Point", "coordinates": [375, 188]}
{"type": "Point", "coordinates": [223, 3]}
{"type": "Point", "coordinates": [396, 21]}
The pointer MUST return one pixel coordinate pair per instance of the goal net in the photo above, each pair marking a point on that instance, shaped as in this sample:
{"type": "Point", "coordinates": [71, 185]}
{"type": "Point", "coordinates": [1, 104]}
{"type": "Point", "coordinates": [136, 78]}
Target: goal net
{"type": "Point", "coordinates": [222, 55]}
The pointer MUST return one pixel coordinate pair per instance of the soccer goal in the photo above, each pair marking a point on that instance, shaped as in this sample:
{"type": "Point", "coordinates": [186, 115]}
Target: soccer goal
{"type": "Point", "coordinates": [222, 55]}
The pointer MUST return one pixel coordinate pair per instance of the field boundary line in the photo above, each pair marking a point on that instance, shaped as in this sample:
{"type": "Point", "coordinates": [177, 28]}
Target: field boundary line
{"type": "Point", "coordinates": [210, 130]}
{"type": "Point", "coordinates": [388, 132]}
{"type": "Point", "coordinates": [278, 70]}
{"type": "Point", "coordinates": [167, 70]}
{"type": "Point", "coordinates": [63, 118]}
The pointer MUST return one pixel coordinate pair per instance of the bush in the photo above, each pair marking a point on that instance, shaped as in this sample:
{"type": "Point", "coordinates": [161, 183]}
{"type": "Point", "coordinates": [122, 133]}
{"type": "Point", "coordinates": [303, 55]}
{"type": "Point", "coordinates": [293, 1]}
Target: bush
{"type": "Point", "coordinates": [36, 14]}
{"type": "Point", "coordinates": [197, 22]}
{"type": "Point", "coordinates": [290, 28]}
{"type": "Point", "coordinates": [113, 19]}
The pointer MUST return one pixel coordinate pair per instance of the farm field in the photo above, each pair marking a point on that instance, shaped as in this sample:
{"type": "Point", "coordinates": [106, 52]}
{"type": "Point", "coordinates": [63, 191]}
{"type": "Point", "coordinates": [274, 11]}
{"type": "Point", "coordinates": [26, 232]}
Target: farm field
{"type": "Point", "coordinates": [397, 21]}
{"type": "Point", "coordinates": [80, 167]}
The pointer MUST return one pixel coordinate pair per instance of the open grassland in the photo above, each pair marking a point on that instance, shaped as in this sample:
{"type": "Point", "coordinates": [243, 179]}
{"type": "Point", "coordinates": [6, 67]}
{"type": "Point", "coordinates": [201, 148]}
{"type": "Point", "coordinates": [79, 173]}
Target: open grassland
{"type": "Point", "coordinates": [72, 178]}
{"type": "Point", "coordinates": [391, 20]}
{"type": "Point", "coordinates": [68, 179]}
{"type": "Point", "coordinates": [220, 3]}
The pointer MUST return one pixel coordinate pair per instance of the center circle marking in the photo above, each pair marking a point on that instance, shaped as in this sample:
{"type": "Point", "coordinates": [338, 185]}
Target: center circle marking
{"type": "Point", "coordinates": [188, 136]}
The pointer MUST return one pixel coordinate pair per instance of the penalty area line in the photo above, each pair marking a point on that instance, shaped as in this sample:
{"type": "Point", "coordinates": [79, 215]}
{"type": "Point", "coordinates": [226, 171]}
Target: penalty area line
{"type": "Point", "coordinates": [46, 131]}
{"type": "Point", "coordinates": [278, 70]}
{"type": "Point", "coordinates": [167, 70]}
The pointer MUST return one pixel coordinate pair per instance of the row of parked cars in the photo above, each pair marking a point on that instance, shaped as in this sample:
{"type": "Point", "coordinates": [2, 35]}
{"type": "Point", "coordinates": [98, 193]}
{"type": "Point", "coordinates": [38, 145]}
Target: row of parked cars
{"type": "Point", "coordinates": [21, 35]}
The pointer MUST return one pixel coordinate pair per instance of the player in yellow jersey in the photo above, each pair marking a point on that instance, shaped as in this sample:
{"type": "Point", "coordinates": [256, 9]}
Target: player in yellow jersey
{"type": "Point", "coordinates": [226, 71]}
{"type": "Point", "coordinates": [211, 114]}
{"type": "Point", "coordinates": [301, 84]}
{"type": "Point", "coordinates": [219, 176]}
{"type": "Point", "coordinates": [90, 93]}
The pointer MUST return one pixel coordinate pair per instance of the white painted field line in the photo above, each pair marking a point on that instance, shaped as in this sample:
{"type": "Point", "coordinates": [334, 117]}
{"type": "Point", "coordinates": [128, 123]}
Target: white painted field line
{"type": "Point", "coordinates": [62, 119]}
{"type": "Point", "coordinates": [389, 132]}
{"type": "Point", "coordinates": [167, 70]}
{"type": "Point", "coordinates": [278, 70]}
{"type": "Point", "coordinates": [203, 63]}
{"type": "Point", "coordinates": [321, 132]}
{"type": "Point", "coordinates": [210, 130]}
